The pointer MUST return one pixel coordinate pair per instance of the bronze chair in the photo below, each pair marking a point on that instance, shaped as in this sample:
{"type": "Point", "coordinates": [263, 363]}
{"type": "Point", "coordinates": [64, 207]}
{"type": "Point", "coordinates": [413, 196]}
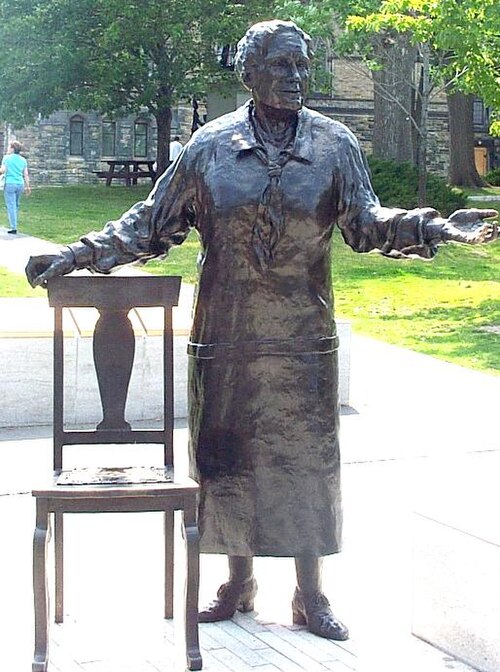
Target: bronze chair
{"type": "Point", "coordinates": [72, 491]}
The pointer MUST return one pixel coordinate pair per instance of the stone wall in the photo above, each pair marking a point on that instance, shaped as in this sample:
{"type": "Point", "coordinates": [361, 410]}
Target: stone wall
{"type": "Point", "coordinates": [47, 144]}
{"type": "Point", "coordinates": [352, 104]}
{"type": "Point", "coordinates": [355, 114]}
{"type": "Point", "coordinates": [47, 141]}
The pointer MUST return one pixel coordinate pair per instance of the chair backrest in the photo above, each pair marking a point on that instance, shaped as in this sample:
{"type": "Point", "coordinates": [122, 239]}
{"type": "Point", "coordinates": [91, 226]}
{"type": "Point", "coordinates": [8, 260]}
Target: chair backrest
{"type": "Point", "coordinates": [113, 347]}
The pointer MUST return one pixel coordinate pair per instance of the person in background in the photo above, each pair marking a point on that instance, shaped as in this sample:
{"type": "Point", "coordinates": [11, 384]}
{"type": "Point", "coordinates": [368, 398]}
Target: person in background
{"type": "Point", "coordinates": [17, 180]}
{"type": "Point", "coordinates": [175, 148]}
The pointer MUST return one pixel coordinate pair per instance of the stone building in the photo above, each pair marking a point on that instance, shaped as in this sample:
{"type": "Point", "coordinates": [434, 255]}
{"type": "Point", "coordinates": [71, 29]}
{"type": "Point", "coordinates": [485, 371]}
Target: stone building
{"type": "Point", "coordinates": [71, 147]}
{"type": "Point", "coordinates": [352, 103]}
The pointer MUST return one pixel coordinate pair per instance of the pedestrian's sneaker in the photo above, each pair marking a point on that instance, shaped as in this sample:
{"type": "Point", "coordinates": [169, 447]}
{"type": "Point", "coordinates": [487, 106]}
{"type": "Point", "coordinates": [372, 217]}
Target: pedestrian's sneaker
{"type": "Point", "coordinates": [12, 231]}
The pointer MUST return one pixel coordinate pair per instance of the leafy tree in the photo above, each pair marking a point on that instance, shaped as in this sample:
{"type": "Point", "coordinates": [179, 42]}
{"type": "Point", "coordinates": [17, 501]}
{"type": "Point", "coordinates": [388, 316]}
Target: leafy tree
{"type": "Point", "coordinates": [460, 42]}
{"type": "Point", "coordinates": [466, 32]}
{"type": "Point", "coordinates": [114, 56]}
{"type": "Point", "coordinates": [390, 58]}
{"type": "Point", "coordinates": [416, 49]}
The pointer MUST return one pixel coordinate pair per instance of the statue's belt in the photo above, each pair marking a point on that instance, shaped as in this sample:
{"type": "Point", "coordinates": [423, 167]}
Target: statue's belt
{"type": "Point", "coordinates": [292, 346]}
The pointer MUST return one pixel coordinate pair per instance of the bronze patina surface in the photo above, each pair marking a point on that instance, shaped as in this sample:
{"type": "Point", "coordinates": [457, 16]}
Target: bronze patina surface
{"type": "Point", "coordinates": [264, 187]}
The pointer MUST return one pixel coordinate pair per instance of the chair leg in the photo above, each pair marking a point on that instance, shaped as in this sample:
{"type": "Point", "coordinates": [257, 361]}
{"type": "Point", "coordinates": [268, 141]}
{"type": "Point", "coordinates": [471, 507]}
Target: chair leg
{"type": "Point", "coordinates": [169, 564]}
{"type": "Point", "coordinates": [191, 537]}
{"type": "Point", "coordinates": [40, 587]}
{"type": "Point", "coordinates": [59, 566]}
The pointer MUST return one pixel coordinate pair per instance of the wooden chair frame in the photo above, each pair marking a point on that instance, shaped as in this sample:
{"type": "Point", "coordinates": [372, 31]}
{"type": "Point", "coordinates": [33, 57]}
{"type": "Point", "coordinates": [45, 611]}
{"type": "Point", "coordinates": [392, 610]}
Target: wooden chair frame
{"type": "Point", "coordinates": [114, 344]}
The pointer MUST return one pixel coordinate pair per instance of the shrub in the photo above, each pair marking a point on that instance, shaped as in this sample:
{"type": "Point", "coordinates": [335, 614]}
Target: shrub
{"type": "Point", "coordinates": [493, 177]}
{"type": "Point", "coordinates": [396, 184]}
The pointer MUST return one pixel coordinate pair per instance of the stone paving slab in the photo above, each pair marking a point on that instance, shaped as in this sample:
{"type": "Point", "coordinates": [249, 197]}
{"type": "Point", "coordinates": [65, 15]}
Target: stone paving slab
{"type": "Point", "coordinates": [114, 579]}
{"type": "Point", "coordinates": [456, 560]}
{"type": "Point", "coordinates": [113, 610]}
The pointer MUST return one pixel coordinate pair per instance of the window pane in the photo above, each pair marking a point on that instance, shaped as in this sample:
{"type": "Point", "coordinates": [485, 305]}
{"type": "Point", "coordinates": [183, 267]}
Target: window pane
{"type": "Point", "coordinates": [141, 139]}
{"type": "Point", "coordinates": [76, 137]}
{"type": "Point", "coordinates": [478, 112]}
{"type": "Point", "coordinates": [108, 138]}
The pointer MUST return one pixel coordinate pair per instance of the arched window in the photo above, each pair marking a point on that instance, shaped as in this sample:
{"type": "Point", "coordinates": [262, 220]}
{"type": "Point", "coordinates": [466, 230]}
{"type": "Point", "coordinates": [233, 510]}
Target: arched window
{"type": "Point", "coordinates": [76, 136]}
{"type": "Point", "coordinates": [141, 138]}
{"type": "Point", "coordinates": [108, 138]}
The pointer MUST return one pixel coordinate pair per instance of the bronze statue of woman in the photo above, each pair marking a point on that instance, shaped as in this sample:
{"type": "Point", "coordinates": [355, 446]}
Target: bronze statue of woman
{"type": "Point", "coordinates": [264, 187]}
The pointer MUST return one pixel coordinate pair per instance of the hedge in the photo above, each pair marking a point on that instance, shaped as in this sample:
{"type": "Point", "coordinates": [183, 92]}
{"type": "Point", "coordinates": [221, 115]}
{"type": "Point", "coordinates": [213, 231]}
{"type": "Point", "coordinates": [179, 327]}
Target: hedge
{"type": "Point", "coordinates": [396, 184]}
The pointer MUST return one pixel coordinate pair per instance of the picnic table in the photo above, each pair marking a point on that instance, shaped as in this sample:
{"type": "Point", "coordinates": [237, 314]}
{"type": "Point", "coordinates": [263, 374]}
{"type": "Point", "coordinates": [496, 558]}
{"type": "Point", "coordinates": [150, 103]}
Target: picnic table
{"type": "Point", "coordinates": [127, 169]}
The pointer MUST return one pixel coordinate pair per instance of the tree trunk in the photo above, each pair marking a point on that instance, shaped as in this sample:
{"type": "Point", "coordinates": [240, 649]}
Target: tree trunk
{"type": "Point", "coordinates": [462, 170]}
{"type": "Point", "coordinates": [392, 128]}
{"type": "Point", "coordinates": [163, 126]}
{"type": "Point", "coordinates": [424, 94]}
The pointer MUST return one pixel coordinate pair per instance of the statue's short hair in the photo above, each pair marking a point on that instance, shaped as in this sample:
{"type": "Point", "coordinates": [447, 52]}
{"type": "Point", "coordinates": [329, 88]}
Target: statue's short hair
{"type": "Point", "coordinates": [253, 45]}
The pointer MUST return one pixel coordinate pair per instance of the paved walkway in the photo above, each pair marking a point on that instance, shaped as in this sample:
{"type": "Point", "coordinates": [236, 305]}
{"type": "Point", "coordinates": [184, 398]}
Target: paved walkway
{"type": "Point", "coordinates": [418, 431]}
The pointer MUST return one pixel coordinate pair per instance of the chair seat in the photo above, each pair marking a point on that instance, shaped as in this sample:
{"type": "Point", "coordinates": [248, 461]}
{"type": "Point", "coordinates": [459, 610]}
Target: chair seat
{"type": "Point", "coordinates": [91, 483]}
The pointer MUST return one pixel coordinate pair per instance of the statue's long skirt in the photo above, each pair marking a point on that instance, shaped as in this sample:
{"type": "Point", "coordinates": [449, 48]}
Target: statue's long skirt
{"type": "Point", "coordinates": [264, 448]}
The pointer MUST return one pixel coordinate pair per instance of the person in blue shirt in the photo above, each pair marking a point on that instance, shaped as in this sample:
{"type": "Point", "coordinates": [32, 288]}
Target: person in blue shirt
{"type": "Point", "coordinates": [17, 180]}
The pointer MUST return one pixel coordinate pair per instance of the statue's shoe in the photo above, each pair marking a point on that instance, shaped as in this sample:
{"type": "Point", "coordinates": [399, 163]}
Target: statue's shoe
{"type": "Point", "coordinates": [315, 612]}
{"type": "Point", "coordinates": [231, 596]}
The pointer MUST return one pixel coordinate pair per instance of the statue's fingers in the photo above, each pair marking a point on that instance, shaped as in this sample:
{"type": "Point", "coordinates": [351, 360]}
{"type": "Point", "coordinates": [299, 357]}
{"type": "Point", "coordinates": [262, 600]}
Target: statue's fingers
{"type": "Point", "coordinates": [472, 215]}
{"type": "Point", "coordinates": [36, 281]}
{"type": "Point", "coordinates": [41, 280]}
{"type": "Point", "coordinates": [31, 279]}
{"type": "Point", "coordinates": [31, 274]}
{"type": "Point", "coordinates": [493, 231]}
{"type": "Point", "coordinates": [487, 214]}
{"type": "Point", "coordinates": [487, 233]}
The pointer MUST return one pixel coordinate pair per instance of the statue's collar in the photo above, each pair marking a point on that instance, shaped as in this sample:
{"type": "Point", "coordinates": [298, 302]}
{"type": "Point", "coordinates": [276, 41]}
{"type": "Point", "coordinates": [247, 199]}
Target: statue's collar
{"type": "Point", "coordinates": [243, 137]}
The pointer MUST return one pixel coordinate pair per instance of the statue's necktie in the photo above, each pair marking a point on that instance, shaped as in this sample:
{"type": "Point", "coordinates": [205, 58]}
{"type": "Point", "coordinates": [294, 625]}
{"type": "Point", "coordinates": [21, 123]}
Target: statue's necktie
{"type": "Point", "coordinates": [269, 223]}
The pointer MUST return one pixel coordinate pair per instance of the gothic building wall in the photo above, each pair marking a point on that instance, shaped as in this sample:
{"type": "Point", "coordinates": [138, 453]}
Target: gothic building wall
{"type": "Point", "coordinates": [352, 104]}
{"type": "Point", "coordinates": [70, 147]}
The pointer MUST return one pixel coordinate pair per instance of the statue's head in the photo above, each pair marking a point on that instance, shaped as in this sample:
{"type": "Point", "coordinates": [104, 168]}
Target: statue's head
{"type": "Point", "coordinates": [273, 62]}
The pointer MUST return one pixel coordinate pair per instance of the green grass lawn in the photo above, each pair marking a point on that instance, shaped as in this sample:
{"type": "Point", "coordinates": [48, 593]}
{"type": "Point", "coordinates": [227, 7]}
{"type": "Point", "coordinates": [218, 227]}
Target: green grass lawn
{"type": "Point", "coordinates": [63, 214]}
{"type": "Point", "coordinates": [486, 191]}
{"type": "Point", "coordinates": [13, 286]}
{"type": "Point", "coordinates": [449, 308]}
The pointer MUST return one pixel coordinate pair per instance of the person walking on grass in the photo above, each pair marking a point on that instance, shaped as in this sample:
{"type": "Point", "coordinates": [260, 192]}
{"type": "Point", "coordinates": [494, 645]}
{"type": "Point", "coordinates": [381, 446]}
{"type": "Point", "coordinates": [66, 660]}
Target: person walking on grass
{"type": "Point", "coordinates": [17, 180]}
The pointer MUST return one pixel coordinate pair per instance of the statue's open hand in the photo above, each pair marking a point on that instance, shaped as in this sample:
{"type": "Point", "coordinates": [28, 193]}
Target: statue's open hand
{"type": "Point", "coordinates": [44, 266]}
{"type": "Point", "coordinates": [468, 226]}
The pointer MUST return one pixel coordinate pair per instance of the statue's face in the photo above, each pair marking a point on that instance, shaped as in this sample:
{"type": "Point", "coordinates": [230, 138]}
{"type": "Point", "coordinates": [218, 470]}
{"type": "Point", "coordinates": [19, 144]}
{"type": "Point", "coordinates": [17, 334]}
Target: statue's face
{"type": "Point", "coordinates": [280, 80]}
